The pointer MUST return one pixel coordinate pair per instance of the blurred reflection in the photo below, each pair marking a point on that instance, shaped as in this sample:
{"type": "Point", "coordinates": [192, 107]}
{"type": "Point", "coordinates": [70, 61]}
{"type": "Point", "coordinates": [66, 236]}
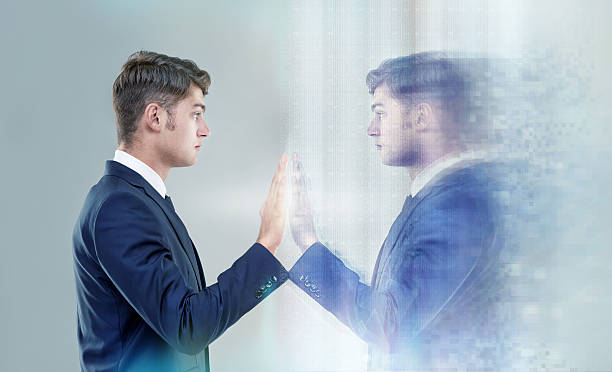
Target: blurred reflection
{"type": "Point", "coordinates": [437, 292]}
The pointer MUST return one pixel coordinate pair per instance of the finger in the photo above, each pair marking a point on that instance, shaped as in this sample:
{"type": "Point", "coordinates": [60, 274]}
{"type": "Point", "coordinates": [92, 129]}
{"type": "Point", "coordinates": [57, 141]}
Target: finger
{"type": "Point", "coordinates": [282, 164]}
{"type": "Point", "coordinates": [294, 161]}
{"type": "Point", "coordinates": [297, 167]}
{"type": "Point", "coordinates": [275, 178]}
{"type": "Point", "coordinates": [282, 188]}
{"type": "Point", "coordinates": [296, 190]}
{"type": "Point", "coordinates": [277, 193]}
{"type": "Point", "coordinates": [303, 195]}
{"type": "Point", "coordinates": [280, 170]}
{"type": "Point", "coordinates": [298, 177]}
{"type": "Point", "coordinates": [272, 185]}
{"type": "Point", "coordinates": [298, 198]}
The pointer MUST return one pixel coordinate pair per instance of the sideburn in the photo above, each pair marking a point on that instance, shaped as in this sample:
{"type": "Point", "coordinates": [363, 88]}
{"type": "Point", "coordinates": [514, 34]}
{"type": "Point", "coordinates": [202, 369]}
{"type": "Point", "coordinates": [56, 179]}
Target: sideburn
{"type": "Point", "coordinates": [170, 125]}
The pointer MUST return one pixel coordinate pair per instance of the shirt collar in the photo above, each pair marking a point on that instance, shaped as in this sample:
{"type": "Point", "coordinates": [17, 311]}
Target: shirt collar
{"type": "Point", "coordinates": [141, 168]}
{"type": "Point", "coordinates": [443, 163]}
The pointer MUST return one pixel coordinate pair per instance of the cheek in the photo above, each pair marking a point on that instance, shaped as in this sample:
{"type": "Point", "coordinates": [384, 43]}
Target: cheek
{"type": "Point", "coordinates": [187, 131]}
{"type": "Point", "coordinates": [392, 127]}
{"type": "Point", "coordinates": [392, 133]}
{"type": "Point", "coordinates": [386, 129]}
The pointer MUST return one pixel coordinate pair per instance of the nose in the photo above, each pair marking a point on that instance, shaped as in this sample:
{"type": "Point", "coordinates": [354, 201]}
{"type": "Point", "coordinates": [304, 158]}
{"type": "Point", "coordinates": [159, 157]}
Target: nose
{"type": "Point", "coordinates": [374, 128]}
{"type": "Point", "coordinates": [203, 130]}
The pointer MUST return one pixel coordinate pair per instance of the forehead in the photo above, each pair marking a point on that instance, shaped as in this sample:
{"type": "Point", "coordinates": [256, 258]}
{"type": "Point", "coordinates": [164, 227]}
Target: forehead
{"type": "Point", "coordinates": [382, 96]}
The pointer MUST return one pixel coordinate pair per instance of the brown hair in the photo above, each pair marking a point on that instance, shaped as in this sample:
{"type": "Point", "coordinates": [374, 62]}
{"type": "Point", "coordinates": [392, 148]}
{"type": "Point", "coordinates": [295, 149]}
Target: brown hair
{"type": "Point", "coordinates": [424, 75]}
{"type": "Point", "coordinates": [149, 77]}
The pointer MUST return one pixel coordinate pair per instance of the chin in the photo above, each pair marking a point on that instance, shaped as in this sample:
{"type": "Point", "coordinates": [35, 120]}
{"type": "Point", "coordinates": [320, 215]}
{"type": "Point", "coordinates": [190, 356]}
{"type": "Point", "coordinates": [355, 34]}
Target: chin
{"type": "Point", "coordinates": [398, 160]}
{"type": "Point", "coordinates": [186, 163]}
{"type": "Point", "coordinates": [392, 163]}
{"type": "Point", "coordinates": [388, 160]}
{"type": "Point", "coordinates": [191, 160]}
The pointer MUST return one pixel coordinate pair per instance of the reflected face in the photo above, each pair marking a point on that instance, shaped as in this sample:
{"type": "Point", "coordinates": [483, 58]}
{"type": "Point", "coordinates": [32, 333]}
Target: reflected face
{"type": "Point", "coordinates": [185, 129]}
{"type": "Point", "coordinates": [394, 135]}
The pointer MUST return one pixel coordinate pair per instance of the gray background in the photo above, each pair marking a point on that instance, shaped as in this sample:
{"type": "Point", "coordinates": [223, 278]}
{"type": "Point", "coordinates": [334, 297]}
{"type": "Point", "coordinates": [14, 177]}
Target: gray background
{"type": "Point", "coordinates": [289, 76]}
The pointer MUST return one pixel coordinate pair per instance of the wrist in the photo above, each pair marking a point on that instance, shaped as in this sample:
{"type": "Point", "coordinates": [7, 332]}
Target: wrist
{"type": "Point", "coordinates": [267, 245]}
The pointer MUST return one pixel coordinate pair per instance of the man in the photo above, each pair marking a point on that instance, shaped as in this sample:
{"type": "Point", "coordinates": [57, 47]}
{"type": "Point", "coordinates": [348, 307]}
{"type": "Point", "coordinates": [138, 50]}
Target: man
{"type": "Point", "coordinates": [424, 307]}
{"type": "Point", "coordinates": [142, 301]}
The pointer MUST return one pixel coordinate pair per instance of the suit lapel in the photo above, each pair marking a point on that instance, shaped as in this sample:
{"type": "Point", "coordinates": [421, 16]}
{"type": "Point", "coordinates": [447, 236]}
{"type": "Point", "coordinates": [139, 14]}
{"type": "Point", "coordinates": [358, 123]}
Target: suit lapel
{"type": "Point", "coordinates": [390, 242]}
{"type": "Point", "coordinates": [116, 169]}
{"type": "Point", "coordinates": [391, 237]}
{"type": "Point", "coordinates": [399, 225]}
{"type": "Point", "coordinates": [179, 229]}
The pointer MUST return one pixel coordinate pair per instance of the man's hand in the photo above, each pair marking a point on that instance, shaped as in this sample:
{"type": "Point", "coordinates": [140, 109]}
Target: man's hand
{"type": "Point", "coordinates": [302, 224]}
{"type": "Point", "coordinates": [272, 213]}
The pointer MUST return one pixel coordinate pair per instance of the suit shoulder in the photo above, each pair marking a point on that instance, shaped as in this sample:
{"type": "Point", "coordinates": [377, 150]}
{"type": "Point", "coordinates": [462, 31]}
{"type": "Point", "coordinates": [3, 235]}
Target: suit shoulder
{"type": "Point", "coordinates": [475, 180]}
{"type": "Point", "coordinates": [108, 191]}
{"type": "Point", "coordinates": [475, 173]}
{"type": "Point", "coordinates": [113, 192]}
{"type": "Point", "coordinates": [124, 201]}
{"type": "Point", "coordinates": [465, 190]}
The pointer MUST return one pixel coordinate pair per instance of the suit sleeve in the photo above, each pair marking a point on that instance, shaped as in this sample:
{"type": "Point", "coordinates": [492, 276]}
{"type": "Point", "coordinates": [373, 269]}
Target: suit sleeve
{"type": "Point", "coordinates": [134, 254]}
{"type": "Point", "coordinates": [434, 253]}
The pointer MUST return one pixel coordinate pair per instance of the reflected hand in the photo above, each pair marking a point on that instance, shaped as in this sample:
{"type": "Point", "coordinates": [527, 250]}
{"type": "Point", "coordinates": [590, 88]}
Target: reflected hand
{"type": "Point", "coordinates": [302, 222]}
{"type": "Point", "coordinates": [272, 213]}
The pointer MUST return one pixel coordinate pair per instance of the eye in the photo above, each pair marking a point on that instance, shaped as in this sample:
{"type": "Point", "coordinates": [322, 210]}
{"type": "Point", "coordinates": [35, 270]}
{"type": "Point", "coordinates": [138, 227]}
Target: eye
{"type": "Point", "coordinates": [197, 115]}
{"type": "Point", "coordinates": [379, 114]}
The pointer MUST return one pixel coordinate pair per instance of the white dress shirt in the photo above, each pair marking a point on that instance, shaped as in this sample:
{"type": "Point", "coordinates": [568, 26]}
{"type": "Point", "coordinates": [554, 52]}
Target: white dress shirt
{"type": "Point", "coordinates": [141, 168]}
{"type": "Point", "coordinates": [445, 162]}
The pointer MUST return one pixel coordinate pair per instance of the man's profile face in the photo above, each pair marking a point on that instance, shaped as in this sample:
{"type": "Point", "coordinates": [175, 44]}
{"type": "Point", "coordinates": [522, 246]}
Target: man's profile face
{"type": "Point", "coordinates": [184, 130]}
{"type": "Point", "coordinates": [394, 135]}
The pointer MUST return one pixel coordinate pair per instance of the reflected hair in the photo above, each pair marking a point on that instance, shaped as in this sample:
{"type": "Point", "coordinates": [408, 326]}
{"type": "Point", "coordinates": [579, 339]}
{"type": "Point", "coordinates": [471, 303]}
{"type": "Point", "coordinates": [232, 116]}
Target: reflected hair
{"type": "Point", "coordinates": [149, 77]}
{"type": "Point", "coordinates": [421, 76]}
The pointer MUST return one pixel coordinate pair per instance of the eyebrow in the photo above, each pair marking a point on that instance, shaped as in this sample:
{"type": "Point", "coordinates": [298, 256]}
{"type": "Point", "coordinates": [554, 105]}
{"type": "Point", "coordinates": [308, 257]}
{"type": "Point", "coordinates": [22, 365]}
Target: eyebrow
{"type": "Point", "coordinates": [376, 105]}
{"type": "Point", "coordinates": [203, 107]}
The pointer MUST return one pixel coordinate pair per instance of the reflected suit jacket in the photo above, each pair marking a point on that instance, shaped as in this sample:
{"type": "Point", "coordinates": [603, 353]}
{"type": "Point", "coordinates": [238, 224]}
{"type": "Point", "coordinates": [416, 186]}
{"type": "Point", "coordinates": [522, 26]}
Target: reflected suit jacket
{"type": "Point", "coordinates": [142, 300]}
{"type": "Point", "coordinates": [441, 243]}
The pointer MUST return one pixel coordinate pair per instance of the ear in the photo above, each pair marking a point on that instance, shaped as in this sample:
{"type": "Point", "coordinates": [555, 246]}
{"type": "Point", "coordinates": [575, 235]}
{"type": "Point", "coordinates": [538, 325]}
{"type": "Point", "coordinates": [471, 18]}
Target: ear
{"type": "Point", "coordinates": [424, 116]}
{"type": "Point", "coordinates": [152, 117]}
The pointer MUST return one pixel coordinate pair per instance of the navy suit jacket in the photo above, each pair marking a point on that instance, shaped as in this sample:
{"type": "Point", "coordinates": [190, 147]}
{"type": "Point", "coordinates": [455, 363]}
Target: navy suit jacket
{"type": "Point", "coordinates": [443, 242]}
{"type": "Point", "coordinates": [142, 300]}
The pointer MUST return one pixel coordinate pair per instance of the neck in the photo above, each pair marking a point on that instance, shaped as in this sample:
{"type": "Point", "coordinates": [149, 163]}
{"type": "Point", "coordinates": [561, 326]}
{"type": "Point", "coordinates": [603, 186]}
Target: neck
{"type": "Point", "coordinates": [148, 159]}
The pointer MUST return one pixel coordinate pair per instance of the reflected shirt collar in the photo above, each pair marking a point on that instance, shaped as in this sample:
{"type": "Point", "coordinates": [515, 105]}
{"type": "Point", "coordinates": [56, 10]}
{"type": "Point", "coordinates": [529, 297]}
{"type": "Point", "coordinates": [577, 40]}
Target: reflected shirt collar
{"type": "Point", "coordinates": [141, 168]}
{"type": "Point", "coordinates": [443, 163]}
